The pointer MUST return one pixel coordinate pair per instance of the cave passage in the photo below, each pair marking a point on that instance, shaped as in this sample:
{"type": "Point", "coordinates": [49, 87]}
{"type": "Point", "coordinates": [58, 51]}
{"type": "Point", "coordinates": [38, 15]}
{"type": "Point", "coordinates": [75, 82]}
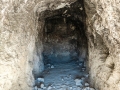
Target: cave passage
{"type": "Point", "coordinates": [64, 49]}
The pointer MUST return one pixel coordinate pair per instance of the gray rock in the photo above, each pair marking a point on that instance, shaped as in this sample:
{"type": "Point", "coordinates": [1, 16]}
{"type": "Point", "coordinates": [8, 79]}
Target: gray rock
{"type": "Point", "coordinates": [49, 88]}
{"type": "Point", "coordinates": [71, 88]}
{"type": "Point", "coordinates": [86, 84]}
{"type": "Point", "coordinates": [78, 82]}
{"type": "Point", "coordinates": [52, 66]}
{"type": "Point", "coordinates": [40, 79]}
{"type": "Point", "coordinates": [42, 85]}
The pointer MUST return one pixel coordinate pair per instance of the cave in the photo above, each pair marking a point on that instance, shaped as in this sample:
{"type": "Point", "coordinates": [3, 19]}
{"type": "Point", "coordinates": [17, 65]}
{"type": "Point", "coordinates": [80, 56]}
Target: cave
{"type": "Point", "coordinates": [42, 40]}
{"type": "Point", "coordinates": [64, 36]}
{"type": "Point", "coordinates": [65, 47]}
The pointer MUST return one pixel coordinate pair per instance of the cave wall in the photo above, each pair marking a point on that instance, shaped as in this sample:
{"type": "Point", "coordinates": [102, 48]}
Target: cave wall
{"type": "Point", "coordinates": [103, 32]}
{"type": "Point", "coordinates": [17, 44]}
{"type": "Point", "coordinates": [20, 28]}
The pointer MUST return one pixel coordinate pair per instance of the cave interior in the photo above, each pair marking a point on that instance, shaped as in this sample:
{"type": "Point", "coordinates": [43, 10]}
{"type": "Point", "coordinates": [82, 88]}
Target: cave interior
{"type": "Point", "coordinates": [64, 38]}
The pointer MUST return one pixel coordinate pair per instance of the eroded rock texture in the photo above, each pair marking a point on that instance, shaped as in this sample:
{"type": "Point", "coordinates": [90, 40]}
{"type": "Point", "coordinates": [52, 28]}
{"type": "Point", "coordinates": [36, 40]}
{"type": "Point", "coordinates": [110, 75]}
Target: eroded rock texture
{"type": "Point", "coordinates": [103, 32]}
{"type": "Point", "coordinates": [20, 47]}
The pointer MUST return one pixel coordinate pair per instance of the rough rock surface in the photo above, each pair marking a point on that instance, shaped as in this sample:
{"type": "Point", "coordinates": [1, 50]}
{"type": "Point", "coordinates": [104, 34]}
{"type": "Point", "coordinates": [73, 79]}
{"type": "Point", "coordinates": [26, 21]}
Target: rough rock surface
{"type": "Point", "coordinates": [19, 42]}
{"type": "Point", "coordinates": [103, 32]}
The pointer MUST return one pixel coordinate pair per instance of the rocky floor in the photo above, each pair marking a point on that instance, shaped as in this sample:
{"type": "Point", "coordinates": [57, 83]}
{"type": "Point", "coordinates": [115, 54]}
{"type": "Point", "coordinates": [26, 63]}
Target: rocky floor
{"type": "Point", "coordinates": [68, 76]}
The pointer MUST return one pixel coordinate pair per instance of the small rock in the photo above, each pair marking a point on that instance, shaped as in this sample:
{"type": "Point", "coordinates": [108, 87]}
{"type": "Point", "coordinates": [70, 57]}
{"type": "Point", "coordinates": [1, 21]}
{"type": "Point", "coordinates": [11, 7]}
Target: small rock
{"type": "Point", "coordinates": [78, 82]}
{"type": "Point", "coordinates": [81, 8]}
{"type": "Point", "coordinates": [65, 11]}
{"type": "Point", "coordinates": [42, 85]}
{"type": "Point", "coordinates": [49, 88]}
{"type": "Point", "coordinates": [68, 15]}
{"type": "Point", "coordinates": [62, 79]}
{"type": "Point", "coordinates": [87, 75]}
{"type": "Point", "coordinates": [86, 84]}
{"type": "Point", "coordinates": [71, 88]}
{"type": "Point", "coordinates": [40, 79]}
{"type": "Point", "coordinates": [52, 66]}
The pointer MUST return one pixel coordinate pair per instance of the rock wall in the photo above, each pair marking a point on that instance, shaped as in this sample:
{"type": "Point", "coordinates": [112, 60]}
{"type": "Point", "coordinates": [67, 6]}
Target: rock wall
{"type": "Point", "coordinates": [17, 43]}
{"type": "Point", "coordinates": [103, 32]}
{"type": "Point", "coordinates": [20, 30]}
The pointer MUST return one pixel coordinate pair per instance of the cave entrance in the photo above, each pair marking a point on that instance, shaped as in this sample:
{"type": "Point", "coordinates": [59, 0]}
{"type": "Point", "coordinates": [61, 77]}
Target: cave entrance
{"type": "Point", "coordinates": [64, 47]}
{"type": "Point", "coordinates": [64, 38]}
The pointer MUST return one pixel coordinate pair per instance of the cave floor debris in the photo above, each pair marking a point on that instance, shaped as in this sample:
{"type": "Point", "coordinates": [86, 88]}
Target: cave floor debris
{"type": "Point", "coordinates": [67, 76]}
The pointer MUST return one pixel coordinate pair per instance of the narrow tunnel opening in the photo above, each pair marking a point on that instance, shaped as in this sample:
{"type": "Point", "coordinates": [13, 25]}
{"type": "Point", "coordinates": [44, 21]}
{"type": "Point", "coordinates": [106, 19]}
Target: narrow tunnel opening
{"type": "Point", "coordinates": [64, 48]}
